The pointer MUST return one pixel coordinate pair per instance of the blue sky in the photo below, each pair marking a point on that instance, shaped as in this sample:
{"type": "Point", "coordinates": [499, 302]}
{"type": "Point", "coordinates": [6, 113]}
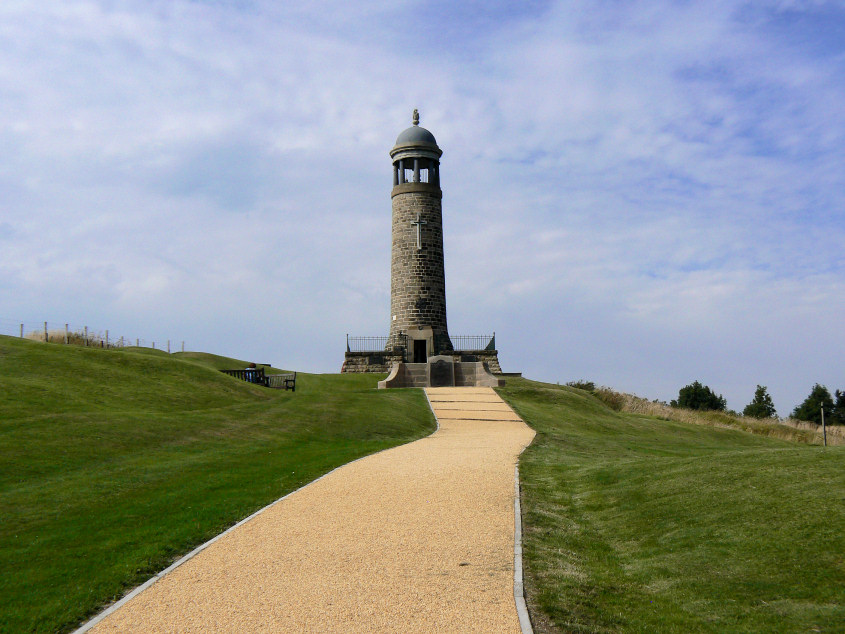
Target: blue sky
{"type": "Point", "coordinates": [641, 194]}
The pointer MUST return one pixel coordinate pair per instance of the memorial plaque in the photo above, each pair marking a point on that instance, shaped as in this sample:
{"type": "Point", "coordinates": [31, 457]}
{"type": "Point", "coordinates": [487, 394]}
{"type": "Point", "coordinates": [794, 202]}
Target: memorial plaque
{"type": "Point", "coordinates": [440, 374]}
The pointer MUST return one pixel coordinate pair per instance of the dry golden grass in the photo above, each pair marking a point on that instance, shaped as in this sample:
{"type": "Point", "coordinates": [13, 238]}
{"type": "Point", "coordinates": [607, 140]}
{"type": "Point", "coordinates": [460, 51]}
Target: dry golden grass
{"type": "Point", "coordinates": [76, 338]}
{"type": "Point", "coordinates": [836, 431]}
{"type": "Point", "coordinates": [786, 429]}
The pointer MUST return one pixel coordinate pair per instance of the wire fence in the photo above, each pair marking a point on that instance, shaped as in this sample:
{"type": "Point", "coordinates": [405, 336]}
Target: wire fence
{"type": "Point", "coordinates": [66, 333]}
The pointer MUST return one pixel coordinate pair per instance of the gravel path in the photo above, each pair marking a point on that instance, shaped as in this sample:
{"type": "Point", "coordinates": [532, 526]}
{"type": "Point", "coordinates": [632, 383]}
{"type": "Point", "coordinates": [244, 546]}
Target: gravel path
{"type": "Point", "coordinates": [414, 539]}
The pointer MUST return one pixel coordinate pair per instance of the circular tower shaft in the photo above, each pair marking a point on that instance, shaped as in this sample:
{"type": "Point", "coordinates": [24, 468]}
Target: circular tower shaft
{"type": "Point", "coordinates": [417, 274]}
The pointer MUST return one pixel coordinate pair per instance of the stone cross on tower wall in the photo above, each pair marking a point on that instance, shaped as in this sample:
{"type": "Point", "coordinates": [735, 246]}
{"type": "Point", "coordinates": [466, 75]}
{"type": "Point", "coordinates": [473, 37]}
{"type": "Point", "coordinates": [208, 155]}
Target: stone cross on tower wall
{"type": "Point", "coordinates": [417, 276]}
{"type": "Point", "coordinates": [418, 223]}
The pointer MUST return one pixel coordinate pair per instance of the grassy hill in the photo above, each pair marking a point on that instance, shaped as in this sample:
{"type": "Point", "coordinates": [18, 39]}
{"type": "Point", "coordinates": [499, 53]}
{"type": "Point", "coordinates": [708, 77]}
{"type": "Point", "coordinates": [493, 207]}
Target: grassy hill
{"type": "Point", "coordinates": [116, 462]}
{"type": "Point", "coordinates": [635, 524]}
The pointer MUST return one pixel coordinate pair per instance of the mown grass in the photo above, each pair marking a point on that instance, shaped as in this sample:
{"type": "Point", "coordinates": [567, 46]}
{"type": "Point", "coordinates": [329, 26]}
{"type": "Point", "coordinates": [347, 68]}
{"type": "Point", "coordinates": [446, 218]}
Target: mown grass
{"type": "Point", "coordinates": [635, 524]}
{"type": "Point", "coordinates": [116, 462]}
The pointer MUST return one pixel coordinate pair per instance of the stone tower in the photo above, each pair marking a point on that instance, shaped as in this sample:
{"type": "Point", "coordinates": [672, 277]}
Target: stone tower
{"type": "Point", "coordinates": [417, 277]}
{"type": "Point", "coordinates": [418, 351]}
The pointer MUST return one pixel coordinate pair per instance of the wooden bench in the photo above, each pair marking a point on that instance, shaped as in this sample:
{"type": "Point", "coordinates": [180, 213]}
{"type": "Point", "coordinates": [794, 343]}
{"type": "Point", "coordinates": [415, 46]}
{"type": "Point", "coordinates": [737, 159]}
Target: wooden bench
{"type": "Point", "coordinates": [282, 381]}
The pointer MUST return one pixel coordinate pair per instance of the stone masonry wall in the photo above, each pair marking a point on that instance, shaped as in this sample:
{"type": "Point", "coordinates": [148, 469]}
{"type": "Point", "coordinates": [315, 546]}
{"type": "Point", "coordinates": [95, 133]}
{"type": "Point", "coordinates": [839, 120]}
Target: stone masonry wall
{"type": "Point", "coordinates": [383, 361]}
{"type": "Point", "coordinates": [369, 362]}
{"type": "Point", "coordinates": [490, 358]}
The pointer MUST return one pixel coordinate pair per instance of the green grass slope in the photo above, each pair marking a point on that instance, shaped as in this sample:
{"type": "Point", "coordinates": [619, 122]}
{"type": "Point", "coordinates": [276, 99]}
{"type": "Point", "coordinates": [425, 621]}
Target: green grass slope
{"type": "Point", "coordinates": [221, 363]}
{"type": "Point", "coordinates": [115, 462]}
{"type": "Point", "coordinates": [634, 524]}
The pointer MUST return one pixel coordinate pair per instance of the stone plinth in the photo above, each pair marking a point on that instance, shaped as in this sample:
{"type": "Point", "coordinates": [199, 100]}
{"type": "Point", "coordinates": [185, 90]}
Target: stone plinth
{"type": "Point", "coordinates": [463, 374]}
{"type": "Point", "coordinates": [379, 362]}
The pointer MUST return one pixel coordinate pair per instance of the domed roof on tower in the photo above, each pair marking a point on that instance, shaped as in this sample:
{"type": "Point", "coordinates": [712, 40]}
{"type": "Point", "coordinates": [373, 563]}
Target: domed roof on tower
{"type": "Point", "coordinates": [415, 135]}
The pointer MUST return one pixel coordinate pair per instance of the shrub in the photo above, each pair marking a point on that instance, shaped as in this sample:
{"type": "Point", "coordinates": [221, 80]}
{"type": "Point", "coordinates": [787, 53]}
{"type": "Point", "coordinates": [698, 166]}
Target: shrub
{"type": "Point", "coordinates": [761, 406]}
{"type": "Point", "coordinates": [614, 400]}
{"type": "Point", "coordinates": [810, 409]}
{"type": "Point", "coordinates": [700, 397]}
{"type": "Point", "coordinates": [589, 386]}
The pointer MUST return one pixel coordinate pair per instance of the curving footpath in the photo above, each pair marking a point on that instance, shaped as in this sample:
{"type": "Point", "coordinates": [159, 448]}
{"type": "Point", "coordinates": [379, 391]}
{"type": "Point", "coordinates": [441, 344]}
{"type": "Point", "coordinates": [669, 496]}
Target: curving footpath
{"type": "Point", "coordinates": [419, 538]}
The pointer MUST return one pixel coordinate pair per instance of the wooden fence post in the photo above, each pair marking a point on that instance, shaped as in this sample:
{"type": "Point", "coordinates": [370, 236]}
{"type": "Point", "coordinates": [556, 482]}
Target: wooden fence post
{"type": "Point", "coordinates": [824, 429]}
{"type": "Point", "coordinates": [46, 339]}
{"type": "Point", "coordinates": [86, 335]}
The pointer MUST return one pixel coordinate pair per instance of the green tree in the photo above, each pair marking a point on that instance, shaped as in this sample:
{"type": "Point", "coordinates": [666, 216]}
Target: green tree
{"type": "Point", "coordinates": [837, 416]}
{"type": "Point", "coordinates": [810, 409]}
{"type": "Point", "coordinates": [761, 406]}
{"type": "Point", "coordinates": [698, 396]}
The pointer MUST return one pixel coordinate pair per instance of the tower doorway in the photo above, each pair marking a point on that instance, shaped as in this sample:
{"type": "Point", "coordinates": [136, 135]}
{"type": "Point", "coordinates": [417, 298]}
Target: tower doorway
{"type": "Point", "coordinates": [420, 352]}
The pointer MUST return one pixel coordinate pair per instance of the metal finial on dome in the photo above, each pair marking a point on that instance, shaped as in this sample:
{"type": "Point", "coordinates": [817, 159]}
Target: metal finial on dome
{"type": "Point", "coordinates": [416, 119]}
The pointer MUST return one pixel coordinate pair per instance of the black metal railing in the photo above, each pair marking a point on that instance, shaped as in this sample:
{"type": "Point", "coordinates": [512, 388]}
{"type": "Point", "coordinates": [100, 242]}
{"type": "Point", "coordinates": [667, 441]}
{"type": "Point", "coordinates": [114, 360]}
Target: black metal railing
{"type": "Point", "coordinates": [376, 344]}
{"type": "Point", "coordinates": [397, 342]}
{"type": "Point", "coordinates": [474, 342]}
{"type": "Point", "coordinates": [366, 344]}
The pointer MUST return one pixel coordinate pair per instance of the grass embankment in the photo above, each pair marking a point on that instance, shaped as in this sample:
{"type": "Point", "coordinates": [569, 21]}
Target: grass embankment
{"type": "Point", "coordinates": [116, 462]}
{"type": "Point", "coordinates": [635, 524]}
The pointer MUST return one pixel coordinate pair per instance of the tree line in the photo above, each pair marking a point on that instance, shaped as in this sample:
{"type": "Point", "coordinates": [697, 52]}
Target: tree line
{"type": "Point", "coordinates": [701, 397]}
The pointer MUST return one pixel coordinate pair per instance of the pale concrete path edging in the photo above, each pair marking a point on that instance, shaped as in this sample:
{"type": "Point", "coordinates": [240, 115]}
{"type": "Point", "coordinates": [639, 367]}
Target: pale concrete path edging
{"type": "Point", "coordinates": [418, 538]}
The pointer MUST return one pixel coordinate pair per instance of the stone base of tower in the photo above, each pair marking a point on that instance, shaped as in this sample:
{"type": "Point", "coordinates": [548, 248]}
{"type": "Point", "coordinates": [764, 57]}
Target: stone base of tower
{"type": "Point", "coordinates": [382, 362]}
{"type": "Point", "coordinates": [441, 371]}
{"type": "Point", "coordinates": [377, 362]}
{"type": "Point", "coordinates": [490, 358]}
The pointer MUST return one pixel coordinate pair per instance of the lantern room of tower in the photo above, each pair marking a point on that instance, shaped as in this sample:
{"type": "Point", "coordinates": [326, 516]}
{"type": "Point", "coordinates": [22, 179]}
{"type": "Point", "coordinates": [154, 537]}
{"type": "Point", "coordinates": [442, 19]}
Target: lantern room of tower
{"type": "Point", "coordinates": [415, 169]}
